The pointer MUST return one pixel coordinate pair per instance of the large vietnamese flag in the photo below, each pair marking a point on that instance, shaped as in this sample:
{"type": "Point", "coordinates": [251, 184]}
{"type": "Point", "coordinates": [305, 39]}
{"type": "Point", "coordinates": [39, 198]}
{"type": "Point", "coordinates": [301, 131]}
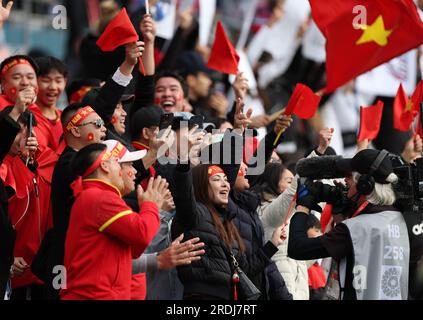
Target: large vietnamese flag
{"type": "Point", "coordinates": [353, 47]}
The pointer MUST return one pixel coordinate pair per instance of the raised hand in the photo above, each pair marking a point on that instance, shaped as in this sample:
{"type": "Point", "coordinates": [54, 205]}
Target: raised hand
{"type": "Point", "coordinates": [241, 120]}
{"type": "Point", "coordinates": [279, 235]}
{"type": "Point", "coordinates": [282, 123]}
{"type": "Point", "coordinates": [180, 253]}
{"type": "Point", "coordinates": [23, 99]}
{"type": "Point", "coordinates": [155, 191]}
{"type": "Point", "coordinates": [133, 51]}
{"type": "Point", "coordinates": [240, 86]}
{"type": "Point", "coordinates": [162, 142]}
{"type": "Point", "coordinates": [5, 12]}
{"type": "Point", "coordinates": [325, 136]}
{"type": "Point", "coordinates": [195, 138]}
{"type": "Point", "coordinates": [148, 29]}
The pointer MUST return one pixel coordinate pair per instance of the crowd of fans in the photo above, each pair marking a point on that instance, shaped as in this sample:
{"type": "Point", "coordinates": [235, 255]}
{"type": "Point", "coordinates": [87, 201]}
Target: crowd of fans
{"type": "Point", "coordinates": [142, 186]}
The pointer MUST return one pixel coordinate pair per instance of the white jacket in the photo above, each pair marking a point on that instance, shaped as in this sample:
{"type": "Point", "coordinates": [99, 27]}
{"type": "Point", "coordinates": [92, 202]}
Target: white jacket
{"type": "Point", "coordinates": [272, 214]}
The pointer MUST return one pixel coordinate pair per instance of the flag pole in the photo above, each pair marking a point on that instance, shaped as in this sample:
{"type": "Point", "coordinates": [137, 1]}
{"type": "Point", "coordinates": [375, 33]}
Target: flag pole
{"type": "Point", "coordinates": [278, 136]}
{"type": "Point", "coordinates": [147, 7]}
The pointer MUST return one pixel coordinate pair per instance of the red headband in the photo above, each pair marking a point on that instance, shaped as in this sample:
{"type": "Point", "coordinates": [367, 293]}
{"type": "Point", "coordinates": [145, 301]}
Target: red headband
{"type": "Point", "coordinates": [214, 170]}
{"type": "Point", "coordinates": [104, 156]}
{"type": "Point", "coordinates": [78, 95]}
{"type": "Point", "coordinates": [76, 185]}
{"type": "Point", "coordinates": [14, 63]}
{"type": "Point", "coordinates": [119, 150]}
{"type": "Point", "coordinates": [78, 117]}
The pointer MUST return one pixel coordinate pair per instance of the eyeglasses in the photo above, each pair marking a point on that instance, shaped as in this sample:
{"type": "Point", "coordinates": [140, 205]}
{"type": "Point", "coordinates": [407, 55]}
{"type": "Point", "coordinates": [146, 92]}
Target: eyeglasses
{"type": "Point", "coordinates": [98, 123]}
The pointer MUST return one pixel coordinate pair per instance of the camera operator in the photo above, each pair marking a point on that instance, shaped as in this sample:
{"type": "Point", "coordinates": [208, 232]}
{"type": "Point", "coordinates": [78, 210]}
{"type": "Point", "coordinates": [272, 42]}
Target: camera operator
{"type": "Point", "coordinates": [372, 246]}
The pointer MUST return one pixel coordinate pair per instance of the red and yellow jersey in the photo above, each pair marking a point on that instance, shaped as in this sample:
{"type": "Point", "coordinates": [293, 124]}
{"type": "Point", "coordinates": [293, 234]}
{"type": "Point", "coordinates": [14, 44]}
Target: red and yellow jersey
{"type": "Point", "coordinates": [104, 235]}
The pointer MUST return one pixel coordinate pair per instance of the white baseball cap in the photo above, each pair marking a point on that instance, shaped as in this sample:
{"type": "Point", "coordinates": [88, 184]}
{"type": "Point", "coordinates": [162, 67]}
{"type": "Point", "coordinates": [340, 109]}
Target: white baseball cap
{"type": "Point", "coordinates": [122, 153]}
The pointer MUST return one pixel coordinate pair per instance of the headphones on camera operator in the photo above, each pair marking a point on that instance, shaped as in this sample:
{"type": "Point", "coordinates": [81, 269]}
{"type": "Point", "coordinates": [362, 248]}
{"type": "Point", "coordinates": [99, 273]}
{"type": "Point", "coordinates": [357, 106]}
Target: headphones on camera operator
{"type": "Point", "coordinates": [366, 182]}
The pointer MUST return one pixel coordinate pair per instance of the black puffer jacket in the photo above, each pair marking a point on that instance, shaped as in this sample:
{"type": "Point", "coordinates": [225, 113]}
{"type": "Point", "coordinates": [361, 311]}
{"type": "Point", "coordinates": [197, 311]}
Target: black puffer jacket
{"type": "Point", "coordinates": [259, 254]}
{"type": "Point", "coordinates": [212, 275]}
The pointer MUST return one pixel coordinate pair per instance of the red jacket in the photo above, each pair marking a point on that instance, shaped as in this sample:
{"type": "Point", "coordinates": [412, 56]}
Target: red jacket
{"type": "Point", "coordinates": [30, 209]}
{"type": "Point", "coordinates": [104, 235]}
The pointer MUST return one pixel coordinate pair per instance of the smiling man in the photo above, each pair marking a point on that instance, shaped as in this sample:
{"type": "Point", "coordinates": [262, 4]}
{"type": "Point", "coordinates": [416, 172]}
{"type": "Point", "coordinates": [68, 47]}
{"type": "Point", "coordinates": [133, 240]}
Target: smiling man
{"type": "Point", "coordinates": [52, 78]}
{"type": "Point", "coordinates": [170, 92]}
{"type": "Point", "coordinates": [17, 73]}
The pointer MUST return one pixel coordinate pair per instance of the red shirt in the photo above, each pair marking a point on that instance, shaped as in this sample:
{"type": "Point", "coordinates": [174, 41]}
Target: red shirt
{"type": "Point", "coordinates": [48, 131]}
{"type": "Point", "coordinates": [104, 235]}
{"type": "Point", "coordinates": [4, 102]}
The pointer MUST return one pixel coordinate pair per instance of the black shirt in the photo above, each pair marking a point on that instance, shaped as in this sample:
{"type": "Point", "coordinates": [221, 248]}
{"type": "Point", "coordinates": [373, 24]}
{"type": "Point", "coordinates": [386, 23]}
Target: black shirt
{"type": "Point", "coordinates": [61, 192]}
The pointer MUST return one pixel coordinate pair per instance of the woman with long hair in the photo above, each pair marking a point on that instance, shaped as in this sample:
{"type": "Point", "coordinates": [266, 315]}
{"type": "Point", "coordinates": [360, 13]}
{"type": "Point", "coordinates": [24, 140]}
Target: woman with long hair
{"type": "Point", "coordinates": [203, 210]}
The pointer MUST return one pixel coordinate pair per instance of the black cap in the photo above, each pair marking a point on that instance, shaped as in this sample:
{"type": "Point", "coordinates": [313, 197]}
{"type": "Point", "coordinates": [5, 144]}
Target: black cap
{"type": "Point", "coordinates": [91, 95]}
{"type": "Point", "coordinates": [145, 118]}
{"type": "Point", "coordinates": [362, 163]}
{"type": "Point", "coordinates": [191, 62]}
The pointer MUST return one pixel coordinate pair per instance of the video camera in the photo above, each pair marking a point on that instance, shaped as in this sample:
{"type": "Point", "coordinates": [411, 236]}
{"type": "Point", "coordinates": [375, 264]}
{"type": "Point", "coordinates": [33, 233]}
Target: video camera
{"type": "Point", "coordinates": [409, 189]}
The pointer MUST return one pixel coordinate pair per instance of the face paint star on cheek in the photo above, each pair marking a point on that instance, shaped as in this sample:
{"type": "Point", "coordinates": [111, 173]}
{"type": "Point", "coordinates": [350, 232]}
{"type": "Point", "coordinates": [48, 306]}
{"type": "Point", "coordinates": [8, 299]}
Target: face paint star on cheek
{"type": "Point", "coordinates": [13, 91]}
{"type": "Point", "coordinates": [157, 101]}
{"type": "Point", "coordinates": [179, 97]}
{"type": "Point", "coordinates": [130, 174]}
{"type": "Point", "coordinates": [90, 136]}
{"type": "Point", "coordinates": [114, 120]}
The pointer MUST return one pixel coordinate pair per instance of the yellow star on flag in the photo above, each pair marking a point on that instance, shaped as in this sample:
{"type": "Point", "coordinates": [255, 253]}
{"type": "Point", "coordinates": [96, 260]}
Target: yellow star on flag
{"type": "Point", "coordinates": [409, 106]}
{"type": "Point", "coordinates": [375, 32]}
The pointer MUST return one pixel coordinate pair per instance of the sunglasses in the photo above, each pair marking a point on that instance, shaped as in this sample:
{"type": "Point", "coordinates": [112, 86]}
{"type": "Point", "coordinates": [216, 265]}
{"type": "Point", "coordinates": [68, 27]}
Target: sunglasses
{"type": "Point", "coordinates": [98, 123]}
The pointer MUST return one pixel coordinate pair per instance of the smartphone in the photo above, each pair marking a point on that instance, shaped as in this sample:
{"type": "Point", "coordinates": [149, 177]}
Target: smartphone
{"type": "Point", "coordinates": [196, 120]}
{"type": "Point", "coordinates": [165, 120]}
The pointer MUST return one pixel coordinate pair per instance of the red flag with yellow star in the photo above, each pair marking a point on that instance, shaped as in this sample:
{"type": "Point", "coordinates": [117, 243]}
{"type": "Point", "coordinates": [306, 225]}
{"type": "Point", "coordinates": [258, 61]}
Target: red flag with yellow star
{"type": "Point", "coordinates": [404, 112]}
{"type": "Point", "coordinates": [362, 34]}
